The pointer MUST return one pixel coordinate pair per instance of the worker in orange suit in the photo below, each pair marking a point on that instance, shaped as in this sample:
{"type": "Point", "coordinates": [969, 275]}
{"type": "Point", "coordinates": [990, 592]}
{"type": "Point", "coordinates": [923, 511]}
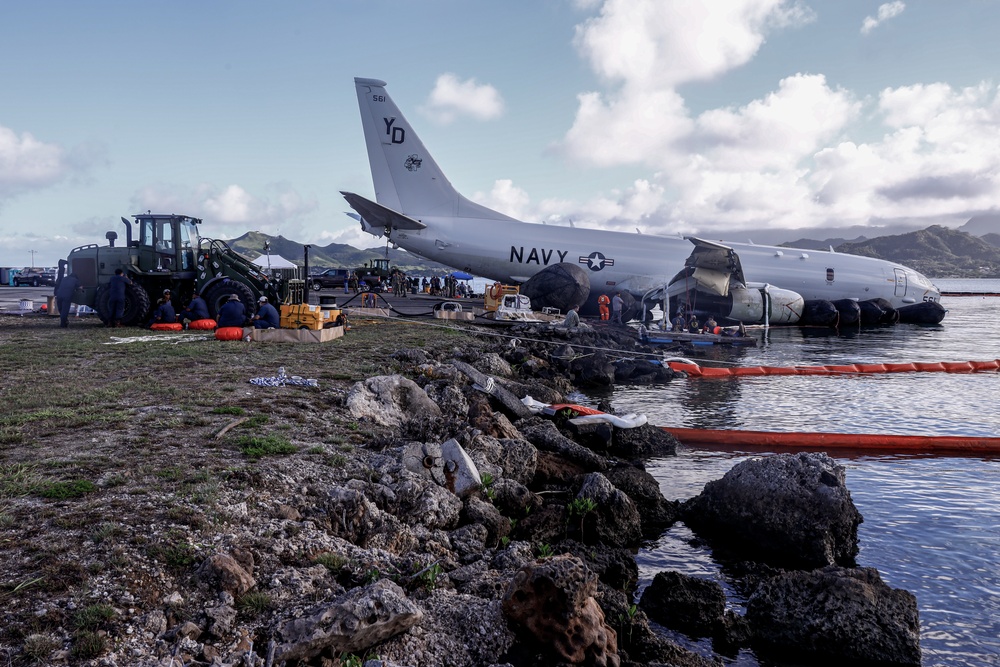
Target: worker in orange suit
{"type": "Point", "coordinates": [603, 301]}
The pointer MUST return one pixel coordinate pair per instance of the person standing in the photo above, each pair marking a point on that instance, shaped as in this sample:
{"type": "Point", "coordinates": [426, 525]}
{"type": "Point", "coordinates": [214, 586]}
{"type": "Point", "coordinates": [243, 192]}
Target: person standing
{"type": "Point", "coordinates": [616, 308]}
{"type": "Point", "coordinates": [267, 316]}
{"type": "Point", "coordinates": [65, 291]}
{"type": "Point", "coordinates": [116, 297]}
{"type": "Point", "coordinates": [602, 303]}
{"type": "Point", "coordinates": [233, 313]}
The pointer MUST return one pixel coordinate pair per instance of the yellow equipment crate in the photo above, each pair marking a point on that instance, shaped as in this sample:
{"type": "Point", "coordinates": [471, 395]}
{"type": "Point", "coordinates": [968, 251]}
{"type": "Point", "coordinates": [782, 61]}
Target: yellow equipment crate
{"type": "Point", "coordinates": [495, 293]}
{"type": "Point", "coordinates": [302, 316]}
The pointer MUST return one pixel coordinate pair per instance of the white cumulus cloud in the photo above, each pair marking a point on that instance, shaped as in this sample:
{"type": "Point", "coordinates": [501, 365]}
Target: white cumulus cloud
{"type": "Point", "coordinates": [885, 12]}
{"type": "Point", "coordinates": [278, 209]}
{"type": "Point", "coordinates": [665, 43]}
{"type": "Point", "coordinates": [27, 163]}
{"type": "Point", "coordinates": [806, 154]}
{"type": "Point", "coordinates": [452, 98]}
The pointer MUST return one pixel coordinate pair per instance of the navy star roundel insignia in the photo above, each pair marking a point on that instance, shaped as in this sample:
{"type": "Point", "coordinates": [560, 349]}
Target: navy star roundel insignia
{"type": "Point", "coordinates": [596, 261]}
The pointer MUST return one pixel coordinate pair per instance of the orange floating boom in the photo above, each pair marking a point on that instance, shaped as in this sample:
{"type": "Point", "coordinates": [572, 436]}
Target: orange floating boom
{"type": "Point", "coordinates": [861, 441]}
{"type": "Point", "coordinates": [694, 370]}
{"type": "Point", "coordinates": [910, 444]}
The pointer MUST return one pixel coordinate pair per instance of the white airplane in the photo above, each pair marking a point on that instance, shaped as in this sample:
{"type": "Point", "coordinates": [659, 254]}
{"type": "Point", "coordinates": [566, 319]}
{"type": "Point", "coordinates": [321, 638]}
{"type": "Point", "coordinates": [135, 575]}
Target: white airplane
{"type": "Point", "coordinates": [418, 209]}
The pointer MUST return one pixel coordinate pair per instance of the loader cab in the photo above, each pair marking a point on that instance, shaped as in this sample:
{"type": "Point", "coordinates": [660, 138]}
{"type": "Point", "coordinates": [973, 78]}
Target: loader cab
{"type": "Point", "coordinates": [167, 242]}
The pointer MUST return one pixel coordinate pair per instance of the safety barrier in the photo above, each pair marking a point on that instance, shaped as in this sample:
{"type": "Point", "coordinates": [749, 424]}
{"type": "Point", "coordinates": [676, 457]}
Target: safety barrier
{"type": "Point", "coordinates": [912, 444]}
{"type": "Point", "coordinates": [694, 370]}
{"type": "Point", "coordinates": [859, 441]}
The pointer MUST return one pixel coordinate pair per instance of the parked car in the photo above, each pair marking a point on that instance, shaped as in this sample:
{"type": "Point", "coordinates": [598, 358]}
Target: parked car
{"type": "Point", "coordinates": [334, 278]}
{"type": "Point", "coordinates": [34, 277]}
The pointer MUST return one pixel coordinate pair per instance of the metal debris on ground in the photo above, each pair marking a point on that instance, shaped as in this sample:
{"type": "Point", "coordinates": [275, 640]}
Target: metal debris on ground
{"type": "Point", "coordinates": [281, 380]}
{"type": "Point", "coordinates": [173, 338]}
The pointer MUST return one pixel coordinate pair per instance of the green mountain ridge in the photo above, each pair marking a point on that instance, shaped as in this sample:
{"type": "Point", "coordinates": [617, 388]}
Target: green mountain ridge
{"type": "Point", "coordinates": [937, 252]}
{"type": "Point", "coordinates": [333, 255]}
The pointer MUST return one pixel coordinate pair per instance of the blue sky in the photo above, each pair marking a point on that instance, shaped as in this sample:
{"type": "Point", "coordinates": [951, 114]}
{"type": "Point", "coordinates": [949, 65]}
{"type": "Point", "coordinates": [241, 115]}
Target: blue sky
{"type": "Point", "coordinates": [669, 116]}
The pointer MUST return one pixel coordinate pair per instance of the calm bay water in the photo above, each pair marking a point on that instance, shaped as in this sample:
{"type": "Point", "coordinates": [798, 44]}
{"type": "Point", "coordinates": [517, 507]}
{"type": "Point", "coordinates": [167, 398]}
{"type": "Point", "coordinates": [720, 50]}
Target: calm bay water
{"type": "Point", "coordinates": [931, 524]}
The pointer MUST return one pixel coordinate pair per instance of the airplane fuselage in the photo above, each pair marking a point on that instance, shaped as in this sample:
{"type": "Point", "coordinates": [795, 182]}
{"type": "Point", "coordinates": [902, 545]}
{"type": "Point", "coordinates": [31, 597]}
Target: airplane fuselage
{"type": "Point", "coordinates": [514, 251]}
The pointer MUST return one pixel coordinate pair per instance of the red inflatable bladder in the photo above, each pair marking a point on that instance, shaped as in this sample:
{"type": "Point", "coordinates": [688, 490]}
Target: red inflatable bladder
{"type": "Point", "coordinates": [229, 333]}
{"type": "Point", "coordinates": [165, 326]}
{"type": "Point", "coordinates": [203, 325]}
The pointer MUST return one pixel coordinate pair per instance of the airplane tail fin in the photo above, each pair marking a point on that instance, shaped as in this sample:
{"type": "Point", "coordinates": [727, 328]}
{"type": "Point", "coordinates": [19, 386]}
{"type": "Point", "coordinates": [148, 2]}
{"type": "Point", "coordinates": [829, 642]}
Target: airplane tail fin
{"type": "Point", "coordinates": [406, 177]}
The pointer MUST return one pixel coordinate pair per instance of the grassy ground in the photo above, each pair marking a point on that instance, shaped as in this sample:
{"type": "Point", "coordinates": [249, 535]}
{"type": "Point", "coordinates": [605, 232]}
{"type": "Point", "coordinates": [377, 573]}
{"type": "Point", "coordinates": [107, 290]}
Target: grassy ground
{"type": "Point", "coordinates": [110, 455]}
{"type": "Point", "coordinates": [66, 394]}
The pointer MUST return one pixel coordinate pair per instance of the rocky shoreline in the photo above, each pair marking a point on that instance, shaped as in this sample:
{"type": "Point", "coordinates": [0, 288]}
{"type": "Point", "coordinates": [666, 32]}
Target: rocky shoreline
{"type": "Point", "coordinates": [469, 531]}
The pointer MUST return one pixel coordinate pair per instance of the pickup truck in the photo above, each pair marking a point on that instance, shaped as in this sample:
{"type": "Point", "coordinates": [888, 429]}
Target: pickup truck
{"type": "Point", "coordinates": [34, 277]}
{"type": "Point", "coordinates": [334, 278]}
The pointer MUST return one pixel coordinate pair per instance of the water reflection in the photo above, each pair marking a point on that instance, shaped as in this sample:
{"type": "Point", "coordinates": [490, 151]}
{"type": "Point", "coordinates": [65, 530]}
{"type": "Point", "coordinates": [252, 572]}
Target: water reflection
{"type": "Point", "coordinates": [932, 525]}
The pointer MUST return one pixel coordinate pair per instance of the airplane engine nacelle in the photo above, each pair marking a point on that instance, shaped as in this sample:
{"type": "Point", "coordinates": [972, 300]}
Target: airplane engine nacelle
{"type": "Point", "coordinates": [751, 303]}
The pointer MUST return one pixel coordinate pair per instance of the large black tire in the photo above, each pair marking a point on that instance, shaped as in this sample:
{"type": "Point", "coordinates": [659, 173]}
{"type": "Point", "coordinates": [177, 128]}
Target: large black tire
{"type": "Point", "coordinates": [316, 286]}
{"type": "Point", "coordinates": [220, 292]}
{"type": "Point", "coordinates": [101, 304]}
{"type": "Point", "coordinates": [136, 305]}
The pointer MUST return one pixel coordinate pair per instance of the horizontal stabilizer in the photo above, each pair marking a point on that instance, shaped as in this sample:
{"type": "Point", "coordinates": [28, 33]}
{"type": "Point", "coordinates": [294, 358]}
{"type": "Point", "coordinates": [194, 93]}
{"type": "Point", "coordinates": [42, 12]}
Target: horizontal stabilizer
{"type": "Point", "coordinates": [380, 216]}
{"type": "Point", "coordinates": [374, 230]}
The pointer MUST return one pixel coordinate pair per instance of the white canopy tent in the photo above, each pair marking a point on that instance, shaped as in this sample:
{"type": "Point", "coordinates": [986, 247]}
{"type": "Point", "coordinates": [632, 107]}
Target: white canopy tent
{"type": "Point", "coordinates": [274, 262]}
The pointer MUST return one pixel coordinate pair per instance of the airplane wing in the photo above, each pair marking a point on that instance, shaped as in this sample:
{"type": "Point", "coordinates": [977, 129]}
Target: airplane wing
{"type": "Point", "coordinates": [380, 216]}
{"type": "Point", "coordinates": [712, 266]}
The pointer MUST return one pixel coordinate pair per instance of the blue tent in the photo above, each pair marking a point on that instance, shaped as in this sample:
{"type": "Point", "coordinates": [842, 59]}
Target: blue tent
{"type": "Point", "coordinates": [461, 275]}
